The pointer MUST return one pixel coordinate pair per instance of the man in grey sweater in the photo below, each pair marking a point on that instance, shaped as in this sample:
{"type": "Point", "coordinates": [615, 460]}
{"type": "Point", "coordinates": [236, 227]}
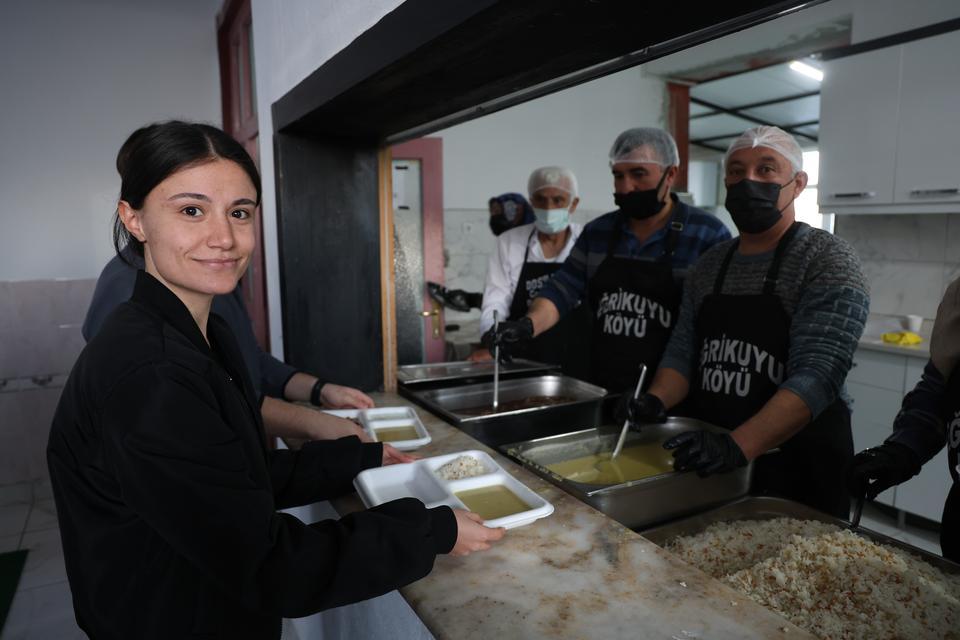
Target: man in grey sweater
{"type": "Point", "coordinates": [767, 329]}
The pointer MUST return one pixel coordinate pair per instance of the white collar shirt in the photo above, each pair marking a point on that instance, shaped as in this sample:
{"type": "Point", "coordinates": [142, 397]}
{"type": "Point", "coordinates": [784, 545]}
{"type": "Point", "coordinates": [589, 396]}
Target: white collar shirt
{"type": "Point", "coordinates": [506, 263]}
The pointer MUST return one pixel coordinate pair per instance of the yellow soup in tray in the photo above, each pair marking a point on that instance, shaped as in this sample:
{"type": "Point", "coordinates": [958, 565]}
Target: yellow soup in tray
{"type": "Point", "coordinates": [490, 503]}
{"type": "Point", "coordinates": [394, 434]}
{"type": "Point", "coordinates": [635, 462]}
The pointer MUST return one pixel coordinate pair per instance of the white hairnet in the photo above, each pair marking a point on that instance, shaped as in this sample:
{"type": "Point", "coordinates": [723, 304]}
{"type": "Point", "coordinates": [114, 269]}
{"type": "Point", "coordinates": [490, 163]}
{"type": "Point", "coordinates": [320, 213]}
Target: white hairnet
{"type": "Point", "coordinates": [773, 138]}
{"type": "Point", "coordinates": [557, 177]}
{"type": "Point", "coordinates": [645, 144]}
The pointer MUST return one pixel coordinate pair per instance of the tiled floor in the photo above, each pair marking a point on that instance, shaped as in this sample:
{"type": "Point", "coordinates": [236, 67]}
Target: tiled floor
{"type": "Point", "coordinates": [42, 608]}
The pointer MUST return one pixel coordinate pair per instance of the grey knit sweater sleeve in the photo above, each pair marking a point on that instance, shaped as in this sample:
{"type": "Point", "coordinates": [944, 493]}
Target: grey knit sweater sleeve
{"type": "Point", "coordinates": [823, 291]}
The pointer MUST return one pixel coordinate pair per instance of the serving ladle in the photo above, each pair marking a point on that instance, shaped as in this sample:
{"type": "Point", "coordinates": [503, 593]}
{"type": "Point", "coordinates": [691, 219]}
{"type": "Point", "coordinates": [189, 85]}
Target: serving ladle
{"type": "Point", "coordinates": [626, 422]}
{"type": "Point", "coordinates": [496, 363]}
{"type": "Point", "coordinates": [604, 465]}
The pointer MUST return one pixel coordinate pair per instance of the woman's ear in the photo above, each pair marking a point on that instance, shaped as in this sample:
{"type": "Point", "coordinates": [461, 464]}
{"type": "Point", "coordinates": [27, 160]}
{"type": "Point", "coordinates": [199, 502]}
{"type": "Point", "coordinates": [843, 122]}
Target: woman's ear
{"type": "Point", "coordinates": [131, 220]}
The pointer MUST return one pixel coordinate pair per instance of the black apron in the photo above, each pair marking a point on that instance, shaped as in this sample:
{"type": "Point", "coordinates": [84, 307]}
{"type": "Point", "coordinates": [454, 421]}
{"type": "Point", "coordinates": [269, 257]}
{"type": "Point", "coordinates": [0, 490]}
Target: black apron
{"type": "Point", "coordinates": [950, 522]}
{"type": "Point", "coordinates": [565, 343]}
{"type": "Point", "coordinates": [744, 345]}
{"type": "Point", "coordinates": [634, 305]}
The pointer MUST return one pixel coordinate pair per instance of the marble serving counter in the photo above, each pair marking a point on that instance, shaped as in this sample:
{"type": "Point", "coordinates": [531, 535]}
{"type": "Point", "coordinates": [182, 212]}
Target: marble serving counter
{"type": "Point", "coordinates": [574, 574]}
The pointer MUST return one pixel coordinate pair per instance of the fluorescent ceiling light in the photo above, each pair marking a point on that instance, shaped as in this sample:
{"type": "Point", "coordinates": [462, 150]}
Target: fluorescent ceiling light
{"type": "Point", "coordinates": [807, 70]}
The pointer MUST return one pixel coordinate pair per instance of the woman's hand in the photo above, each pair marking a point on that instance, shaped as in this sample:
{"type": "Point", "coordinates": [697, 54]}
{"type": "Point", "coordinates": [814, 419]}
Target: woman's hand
{"type": "Point", "coordinates": [472, 535]}
{"type": "Point", "coordinates": [392, 455]}
{"type": "Point", "coordinates": [335, 396]}
{"type": "Point", "coordinates": [327, 427]}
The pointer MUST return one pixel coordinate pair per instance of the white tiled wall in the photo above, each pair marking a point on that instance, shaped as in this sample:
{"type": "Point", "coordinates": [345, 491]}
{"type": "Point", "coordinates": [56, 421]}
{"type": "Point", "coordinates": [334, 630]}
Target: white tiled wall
{"type": "Point", "coordinates": [39, 342]}
{"type": "Point", "coordinates": [908, 259]}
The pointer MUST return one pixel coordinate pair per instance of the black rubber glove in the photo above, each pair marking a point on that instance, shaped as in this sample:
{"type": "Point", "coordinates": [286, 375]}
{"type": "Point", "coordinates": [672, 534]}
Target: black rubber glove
{"type": "Point", "coordinates": [705, 452]}
{"type": "Point", "coordinates": [644, 410]}
{"type": "Point", "coordinates": [473, 299]}
{"type": "Point", "coordinates": [507, 334]}
{"type": "Point", "coordinates": [458, 300]}
{"type": "Point", "coordinates": [877, 469]}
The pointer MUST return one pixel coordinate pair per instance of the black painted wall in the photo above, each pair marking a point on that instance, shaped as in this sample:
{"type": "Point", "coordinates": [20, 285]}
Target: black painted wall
{"type": "Point", "coordinates": [328, 227]}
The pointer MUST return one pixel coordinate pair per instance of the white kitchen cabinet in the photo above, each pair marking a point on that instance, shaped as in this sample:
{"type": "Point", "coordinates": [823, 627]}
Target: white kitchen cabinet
{"type": "Point", "coordinates": [858, 113]}
{"type": "Point", "coordinates": [925, 494]}
{"type": "Point", "coordinates": [914, 372]}
{"type": "Point", "coordinates": [872, 421]}
{"type": "Point", "coordinates": [877, 385]}
{"type": "Point", "coordinates": [889, 129]}
{"type": "Point", "coordinates": [928, 128]}
{"type": "Point", "coordinates": [878, 369]}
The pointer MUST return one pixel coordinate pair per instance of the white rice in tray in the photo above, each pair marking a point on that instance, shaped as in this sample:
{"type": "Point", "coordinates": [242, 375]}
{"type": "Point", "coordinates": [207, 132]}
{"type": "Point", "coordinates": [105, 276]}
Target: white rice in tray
{"type": "Point", "coordinates": [828, 580]}
{"type": "Point", "coordinates": [461, 467]}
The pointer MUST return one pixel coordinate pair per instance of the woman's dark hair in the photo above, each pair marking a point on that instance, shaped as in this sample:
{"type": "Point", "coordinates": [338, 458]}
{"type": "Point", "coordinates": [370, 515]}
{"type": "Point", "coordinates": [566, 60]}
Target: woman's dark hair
{"type": "Point", "coordinates": [153, 153]}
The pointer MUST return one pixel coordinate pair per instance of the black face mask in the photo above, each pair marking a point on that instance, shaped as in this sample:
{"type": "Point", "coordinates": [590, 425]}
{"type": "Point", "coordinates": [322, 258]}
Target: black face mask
{"type": "Point", "coordinates": [641, 205]}
{"type": "Point", "coordinates": [499, 223]}
{"type": "Point", "coordinates": [753, 205]}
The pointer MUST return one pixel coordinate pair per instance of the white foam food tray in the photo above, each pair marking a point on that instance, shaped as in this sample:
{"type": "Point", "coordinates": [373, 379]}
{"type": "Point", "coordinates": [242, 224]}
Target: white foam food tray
{"type": "Point", "coordinates": [349, 414]}
{"type": "Point", "coordinates": [394, 418]}
{"type": "Point", "coordinates": [420, 480]}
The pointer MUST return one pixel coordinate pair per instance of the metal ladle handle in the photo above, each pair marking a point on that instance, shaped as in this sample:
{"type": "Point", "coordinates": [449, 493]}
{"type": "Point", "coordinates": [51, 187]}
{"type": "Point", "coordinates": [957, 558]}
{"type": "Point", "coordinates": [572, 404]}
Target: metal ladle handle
{"type": "Point", "coordinates": [626, 422]}
{"type": "Point", "coordinates": [496, 362]}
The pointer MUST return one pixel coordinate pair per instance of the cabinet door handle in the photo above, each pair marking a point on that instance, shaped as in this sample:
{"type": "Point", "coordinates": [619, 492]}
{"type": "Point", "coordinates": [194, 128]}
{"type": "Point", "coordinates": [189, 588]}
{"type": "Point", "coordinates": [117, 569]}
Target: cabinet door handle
{"type": "Point", "coordinates": [950, 191]}
{"type": "Point", "coordinates": [855, 194]}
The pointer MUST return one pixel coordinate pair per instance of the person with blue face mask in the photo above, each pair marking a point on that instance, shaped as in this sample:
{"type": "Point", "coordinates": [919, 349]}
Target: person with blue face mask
{"type": "Point", "coordinates": [765, 338]}
{"type": "Point", "coordinates": [525, 258]}
{"type": "Point", "coordinates": [628, 265]}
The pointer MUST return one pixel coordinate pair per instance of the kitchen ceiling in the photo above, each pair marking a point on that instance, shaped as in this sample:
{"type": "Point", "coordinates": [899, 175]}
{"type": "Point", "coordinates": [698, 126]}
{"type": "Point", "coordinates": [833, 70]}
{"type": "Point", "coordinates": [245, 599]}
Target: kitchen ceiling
{"type": "Point", "coordinates": [721, 109]}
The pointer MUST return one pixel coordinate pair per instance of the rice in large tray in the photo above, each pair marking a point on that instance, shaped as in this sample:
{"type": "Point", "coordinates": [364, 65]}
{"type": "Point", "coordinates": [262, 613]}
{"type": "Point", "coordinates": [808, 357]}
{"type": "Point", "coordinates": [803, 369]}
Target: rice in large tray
{"type": "Point", "coordinates": [828, 580]}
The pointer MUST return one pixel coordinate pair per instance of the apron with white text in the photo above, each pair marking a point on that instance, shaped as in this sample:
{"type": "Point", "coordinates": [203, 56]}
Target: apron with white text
{"type": "Point", "coordinates": [565, 343]}
{"type": "Point", "coordinates": [633, 305]}
{"type": "Point", "coordinates": [744, 344]}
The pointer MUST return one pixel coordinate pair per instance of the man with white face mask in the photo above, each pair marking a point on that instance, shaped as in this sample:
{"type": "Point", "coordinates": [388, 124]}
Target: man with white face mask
{"type": "Point", "coordinates": [765, 338]}
{"type": "Point", "coordinates": [526, 257]}
{"type": "Point", "coordinates": [628, 265]}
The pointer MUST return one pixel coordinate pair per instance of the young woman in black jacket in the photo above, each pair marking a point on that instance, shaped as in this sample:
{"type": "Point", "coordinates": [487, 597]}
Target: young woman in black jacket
{"type": "Point", "coordinates": [166, 493]}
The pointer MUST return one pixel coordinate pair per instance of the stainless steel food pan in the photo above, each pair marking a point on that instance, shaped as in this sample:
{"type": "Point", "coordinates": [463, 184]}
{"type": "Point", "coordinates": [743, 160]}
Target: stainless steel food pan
{"type": "Point", "coordinates": [579, 407]}
{"type": "Point", "coordinates": [417, 374]}
{"type": "Point", "coordinates": [639, 503]}
{"type": "Point", "coordinates": [766, 508]}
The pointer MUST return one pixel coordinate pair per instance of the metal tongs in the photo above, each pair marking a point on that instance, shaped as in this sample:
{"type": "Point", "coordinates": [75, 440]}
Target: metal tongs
{"type": "Point", "coordinates": [858, 511]}
{"type": "Point", "coordinates": [496, 362]}
{"type": "Point", "coordinates": [626, 422]}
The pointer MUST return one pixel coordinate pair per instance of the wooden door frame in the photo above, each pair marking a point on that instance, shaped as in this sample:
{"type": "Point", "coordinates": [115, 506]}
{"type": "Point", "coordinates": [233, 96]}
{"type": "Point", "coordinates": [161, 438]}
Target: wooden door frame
{"type": "Point", "coordinates": [239, 113]}
{"type": "Point", "coordinates": [429, 151]}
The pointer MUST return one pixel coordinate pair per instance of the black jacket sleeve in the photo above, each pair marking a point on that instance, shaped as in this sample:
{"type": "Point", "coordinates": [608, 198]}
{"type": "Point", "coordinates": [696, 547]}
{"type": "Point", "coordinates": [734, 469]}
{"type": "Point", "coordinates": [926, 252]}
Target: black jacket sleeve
{"type": "Point", "coordinates": [204, 489]}
{"type": "Point", "coordinates": [320, 470]}
{"type": "Point", "coordinates": [921, 423]}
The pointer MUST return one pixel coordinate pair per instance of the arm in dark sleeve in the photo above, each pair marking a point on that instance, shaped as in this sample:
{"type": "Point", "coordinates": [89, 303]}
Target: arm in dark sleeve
{"type": "Point", "coordinates": [826, 327]}
{"type": "Point", "coordinates": [274, 375]}
{"type": "Point", "coordinates": [681, 352]}
{"type": "Point", "coordinates": [921, 423]}
{"type": "Point", "coordinates": [320, 470]}
{"type": "Point", "coordinates": [569, 283]}
{"type": "Point", "coordinates": [114, 287]}
{"type": "Point", "coordinates": [194, 481]}
{"type": "Point", "coordinates": [269, 375]}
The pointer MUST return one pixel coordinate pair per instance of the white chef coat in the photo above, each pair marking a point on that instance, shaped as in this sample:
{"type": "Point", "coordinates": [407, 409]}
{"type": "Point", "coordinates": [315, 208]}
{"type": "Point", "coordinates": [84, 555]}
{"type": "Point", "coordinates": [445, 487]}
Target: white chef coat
{"type": "Point", "coordinates": [506, 262]}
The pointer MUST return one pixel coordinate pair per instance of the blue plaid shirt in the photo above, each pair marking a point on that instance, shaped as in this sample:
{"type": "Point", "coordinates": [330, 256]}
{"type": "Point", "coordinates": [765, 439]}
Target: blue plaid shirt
{"type": "Point", "coordinates": [568, 286]}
